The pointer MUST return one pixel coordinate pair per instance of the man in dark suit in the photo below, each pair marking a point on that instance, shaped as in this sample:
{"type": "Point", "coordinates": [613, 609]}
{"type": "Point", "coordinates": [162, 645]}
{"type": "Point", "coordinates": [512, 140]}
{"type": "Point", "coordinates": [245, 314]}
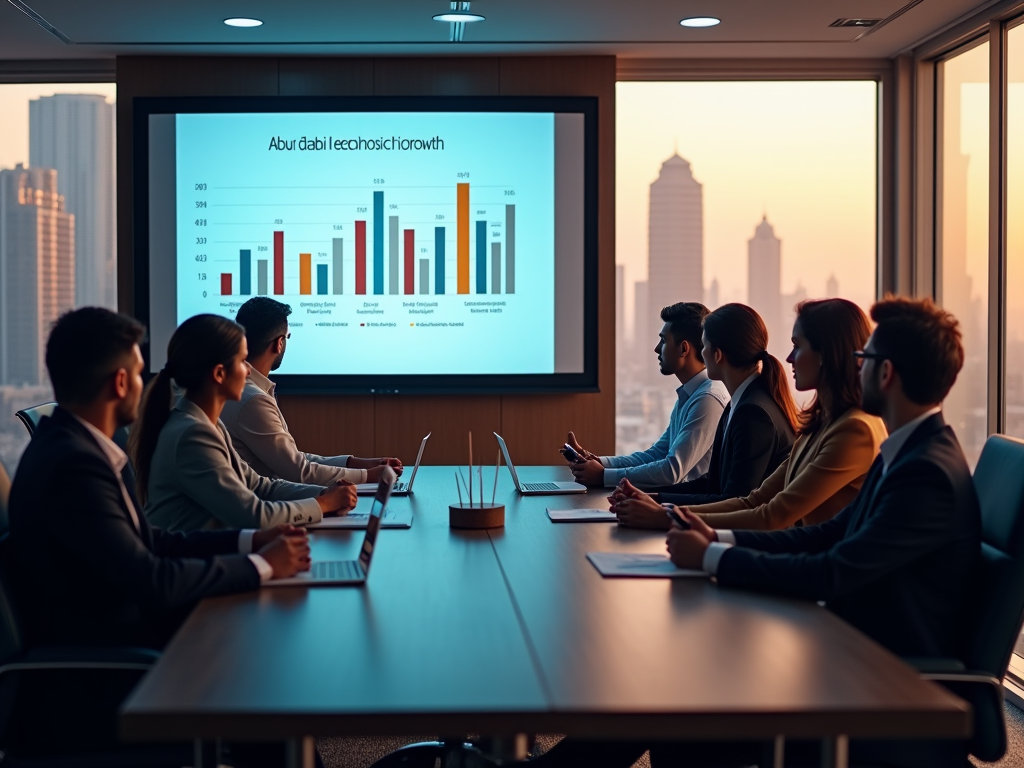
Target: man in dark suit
{"type": "Point", "coordinates": [91, 569]}
{"type": "Point", "coordinates": [898, 562]}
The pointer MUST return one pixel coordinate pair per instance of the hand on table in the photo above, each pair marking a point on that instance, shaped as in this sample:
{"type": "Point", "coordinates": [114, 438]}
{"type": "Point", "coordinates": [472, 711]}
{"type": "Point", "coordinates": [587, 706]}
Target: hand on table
{"type": "Point", "coordinates": [641, 511]}
{"type": "Point", "coordinates": [626, 490]}
{"type": "Point", "coordinates": [686, 548]}
{"type": "Point", "coordinates": [589, 472]}
{"type": "Point", "coordinates": [375, 467]}
{"type": "Point", "coordinates": [260, 539]}
{"type": "Point", "coordinates": [287, 553]}
{"type": "Point", "coordinates": [339, 498]}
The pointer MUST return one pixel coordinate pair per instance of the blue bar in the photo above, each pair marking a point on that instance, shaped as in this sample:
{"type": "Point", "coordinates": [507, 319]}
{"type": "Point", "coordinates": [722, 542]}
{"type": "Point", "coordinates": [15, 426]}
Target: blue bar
{"type": "Point", "coordinates": [378, 242]}
{"type": "Point", "coordinates": [439, 260]}
{"type": "Point", "coordinates": [245, 273]}
{"type": "Point", "coordinates": [321, 279]}
{"type": "Point", "coordinates": [481, 257]}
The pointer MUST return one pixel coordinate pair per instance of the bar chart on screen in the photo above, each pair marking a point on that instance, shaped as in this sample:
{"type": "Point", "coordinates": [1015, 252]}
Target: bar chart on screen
{"type": "Point", "coordinates": [450, 244]}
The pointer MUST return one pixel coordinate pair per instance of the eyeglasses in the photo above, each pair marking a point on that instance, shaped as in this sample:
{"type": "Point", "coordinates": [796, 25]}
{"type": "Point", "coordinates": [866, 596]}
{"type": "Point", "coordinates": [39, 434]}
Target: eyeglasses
{"type": "Point", "coordinates": [860, 356]}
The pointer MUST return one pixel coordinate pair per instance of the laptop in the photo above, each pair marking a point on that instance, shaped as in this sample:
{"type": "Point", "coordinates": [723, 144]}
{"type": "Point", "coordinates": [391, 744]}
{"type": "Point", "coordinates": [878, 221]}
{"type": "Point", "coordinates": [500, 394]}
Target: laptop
{"type": "Point", "coordinates": [345, 572]}
{"type": "Point", "coordinates": [536, 489]}
{"type": "Point", "coordinates": [400, 489]}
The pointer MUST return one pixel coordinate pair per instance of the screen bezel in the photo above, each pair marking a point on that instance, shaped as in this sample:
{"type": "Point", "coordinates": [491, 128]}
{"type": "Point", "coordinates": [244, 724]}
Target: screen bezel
{"type": "Point", "coordinates": [585, 381]}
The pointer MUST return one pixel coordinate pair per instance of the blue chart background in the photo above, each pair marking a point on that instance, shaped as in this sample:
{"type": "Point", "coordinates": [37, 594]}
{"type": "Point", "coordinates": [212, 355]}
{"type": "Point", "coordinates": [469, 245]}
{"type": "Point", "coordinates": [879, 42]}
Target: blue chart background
{"type": "Point", "coordinates": [318, 195]}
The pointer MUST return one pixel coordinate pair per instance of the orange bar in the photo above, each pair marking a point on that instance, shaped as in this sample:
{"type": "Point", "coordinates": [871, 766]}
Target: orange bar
{"type": "Point", "coordinates": [305, 274]}
{"type": "Point", "coordinates": [462, 232]}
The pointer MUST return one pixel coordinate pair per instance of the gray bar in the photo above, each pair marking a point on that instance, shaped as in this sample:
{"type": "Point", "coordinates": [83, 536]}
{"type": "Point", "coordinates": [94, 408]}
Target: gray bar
{"type": "Point", "coordinates": [393, 255]}
{"type": "Point", "coordinates": [424, 275]}
{"type": "Point", "coordinates": [261, 277]}
{"type": "Point", "coordinates": [495, 267]}
{"type": "Point", "coordinates": [510, 249]}
{"type": "Point", "coordinates": [339, 261]}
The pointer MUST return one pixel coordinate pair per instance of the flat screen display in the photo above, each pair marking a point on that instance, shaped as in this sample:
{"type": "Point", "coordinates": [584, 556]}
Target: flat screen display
{"type": "Point", "coordinates": [439, 245]}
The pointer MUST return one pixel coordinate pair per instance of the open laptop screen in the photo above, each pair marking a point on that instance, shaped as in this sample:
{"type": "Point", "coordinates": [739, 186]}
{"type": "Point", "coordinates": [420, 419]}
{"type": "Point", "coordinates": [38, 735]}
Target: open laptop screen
{"type": "Point", "coordinates": [380, 503]}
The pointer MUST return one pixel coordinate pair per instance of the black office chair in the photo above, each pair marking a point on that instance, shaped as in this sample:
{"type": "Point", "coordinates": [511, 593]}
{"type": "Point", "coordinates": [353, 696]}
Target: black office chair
{"type": "Point", "coordinates": [53, 671]}
{"type": "Point", "coordinates": [31, 417]}
{"type": "Point", "coordinates": [999, 593]}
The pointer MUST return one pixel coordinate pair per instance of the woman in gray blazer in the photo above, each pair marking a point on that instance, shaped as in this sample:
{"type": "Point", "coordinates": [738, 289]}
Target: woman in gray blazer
{"type": "Point", "coordinates": [188, 475]}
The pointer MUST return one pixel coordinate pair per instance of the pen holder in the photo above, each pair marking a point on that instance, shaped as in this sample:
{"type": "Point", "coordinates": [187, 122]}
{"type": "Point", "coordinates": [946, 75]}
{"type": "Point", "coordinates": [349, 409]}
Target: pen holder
{"type": "Point", "coordinates": [476, 516]}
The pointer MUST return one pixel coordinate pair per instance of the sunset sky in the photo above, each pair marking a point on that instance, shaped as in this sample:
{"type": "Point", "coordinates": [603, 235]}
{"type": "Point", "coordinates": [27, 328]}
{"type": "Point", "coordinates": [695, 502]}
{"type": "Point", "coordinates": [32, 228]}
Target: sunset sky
{"type": "Point", "coordinates": [804, 153]}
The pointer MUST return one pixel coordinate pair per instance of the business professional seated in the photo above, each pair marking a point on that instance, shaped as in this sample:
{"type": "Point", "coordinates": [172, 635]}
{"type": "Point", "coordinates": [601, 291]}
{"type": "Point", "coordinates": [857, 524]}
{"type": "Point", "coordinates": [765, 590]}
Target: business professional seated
{"type": "Point", "coordinates": [683, 452]}
{"type": "Point", "coordinates": [188, 474]}
{"type": "Point", "coordinates": [755, 433]}
{"type": "Point", "coordinates": [92, 570]}
{"type": "Point", "coordinates": [255, 422]}
{"type": "Point", "coordinates": [837, 440]}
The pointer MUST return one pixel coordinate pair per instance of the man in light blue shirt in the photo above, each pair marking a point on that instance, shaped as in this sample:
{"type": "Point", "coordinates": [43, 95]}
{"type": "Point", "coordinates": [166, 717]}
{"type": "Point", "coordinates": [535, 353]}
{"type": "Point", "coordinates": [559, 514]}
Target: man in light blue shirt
{"type": "Point", "coordinates": [683, 452]}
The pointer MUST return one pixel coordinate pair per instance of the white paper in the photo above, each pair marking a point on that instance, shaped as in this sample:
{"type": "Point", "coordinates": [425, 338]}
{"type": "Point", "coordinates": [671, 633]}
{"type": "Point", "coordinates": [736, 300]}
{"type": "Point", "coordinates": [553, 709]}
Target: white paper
{"type": "Point", "coordinates": [359, 520]}
{"type": "Point", "coordinates": [581, 516]}
{"type": "Point", "coordinates": [639, 566]}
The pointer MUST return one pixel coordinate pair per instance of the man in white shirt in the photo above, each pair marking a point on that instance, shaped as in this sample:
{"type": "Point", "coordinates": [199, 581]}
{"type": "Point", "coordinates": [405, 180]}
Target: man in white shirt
{"type": "Point", "coordinates": [257, 426]}
{"type": "Point", "coordinates": [683, 452]}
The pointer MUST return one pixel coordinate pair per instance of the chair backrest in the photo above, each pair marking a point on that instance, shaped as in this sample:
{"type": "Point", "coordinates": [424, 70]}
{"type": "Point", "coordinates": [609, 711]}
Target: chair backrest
{"type": "Point", "coordinates": [999, 481]}
{"type": "Point", "coordinates": [11, 633]}
{"type": "Point", "coordinates": [31, 417]}
{"type": "Point", "coordinates": [5, 495]}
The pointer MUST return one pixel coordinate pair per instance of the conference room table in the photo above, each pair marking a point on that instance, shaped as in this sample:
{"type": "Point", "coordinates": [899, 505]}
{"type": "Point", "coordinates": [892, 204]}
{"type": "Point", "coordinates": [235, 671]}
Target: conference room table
{"type": "Point", "coordinates": [512, 630]}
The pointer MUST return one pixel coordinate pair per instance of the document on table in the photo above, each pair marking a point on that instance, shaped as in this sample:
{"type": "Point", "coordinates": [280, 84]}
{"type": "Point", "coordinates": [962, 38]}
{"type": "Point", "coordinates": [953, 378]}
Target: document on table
{"type": "Point", "coordinates": [359, 520]}
{"type": "Point", "coordinates": [639, 566]}
{"type": "Point", "coordinates": [581, 516]}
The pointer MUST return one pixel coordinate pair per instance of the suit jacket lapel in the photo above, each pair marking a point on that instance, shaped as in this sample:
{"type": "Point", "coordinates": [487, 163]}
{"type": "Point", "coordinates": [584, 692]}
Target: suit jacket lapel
{"type": "Point", "coordinates": [718, 455]}
{"type": "Point", "coordinates": [866, 498]}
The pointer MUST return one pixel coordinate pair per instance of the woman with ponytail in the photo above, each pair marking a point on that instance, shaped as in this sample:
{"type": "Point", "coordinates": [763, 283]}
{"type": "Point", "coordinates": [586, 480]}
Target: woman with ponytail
{"type": "Point", "coordinates": [756, 430]}
{"type": "Point", "coordinates": [188, 474]}
{"type": "Point", "coordinates": [837, 441]}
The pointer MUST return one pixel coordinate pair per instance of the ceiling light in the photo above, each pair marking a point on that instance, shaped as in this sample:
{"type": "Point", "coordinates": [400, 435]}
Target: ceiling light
{"type": "Point", "coordinates": [243, 22]}
{"type": "Point", "coordinates": [854, 22]}
{"type": "Point", "coordinates": [701, 21]}
{"type": "Point", "coordinates": [458, 16]}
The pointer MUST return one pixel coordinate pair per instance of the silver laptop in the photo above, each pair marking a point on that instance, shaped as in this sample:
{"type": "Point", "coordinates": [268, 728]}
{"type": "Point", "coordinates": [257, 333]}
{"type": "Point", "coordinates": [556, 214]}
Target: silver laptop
{"type": "Point", "coordinates": [341, 572]}
{"type": "Point", "coordinates": [400, 489]}
{"type": "Point", "coordinates": [536, 489]}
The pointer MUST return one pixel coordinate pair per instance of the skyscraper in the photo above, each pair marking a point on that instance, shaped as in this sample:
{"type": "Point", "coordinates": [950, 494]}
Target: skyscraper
{"type": "Point", "coordinates": [620, 315]}
{"type": "Point", "coordinates": [764, 281]}
{"type": "Point", "coordinates": [74, 134]}
{"type": "Point", "coordinates": [832, 287]}
{"type": "Point", "coordinates": [712, 297]}
{"type": "Point", "coordinates": [675, 243]}
{"type": "Point", "coordinates": [37, 269]}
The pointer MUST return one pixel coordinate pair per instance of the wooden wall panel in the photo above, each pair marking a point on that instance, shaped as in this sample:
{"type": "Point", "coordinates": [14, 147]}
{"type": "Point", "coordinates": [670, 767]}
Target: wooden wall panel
{"type": "Point", "coordinates": [534, 425]}
{"type": "Point", "coordinates": [437, 77]}
{"type": "Point", "coordinates": [331, 425]}
{"type": "Point", "coordinates": [326, 77]}
{"type": "Point", "coordinates": [403, 421]}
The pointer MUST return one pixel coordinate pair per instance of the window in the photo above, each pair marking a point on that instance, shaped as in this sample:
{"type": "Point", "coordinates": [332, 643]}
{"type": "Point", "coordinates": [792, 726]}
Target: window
{"type": "Point", "coordinates": [755, 192]}
{"type": "Point", "coordinates": [57, 240]}
{"type": "Point", "coordinates": [1014, 381]}
{"type": "Point", "coordinates": [962, 233]}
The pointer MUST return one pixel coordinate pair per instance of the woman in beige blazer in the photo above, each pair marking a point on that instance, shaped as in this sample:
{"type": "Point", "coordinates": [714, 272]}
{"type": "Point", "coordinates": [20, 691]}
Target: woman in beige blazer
{"type": "Point", "coordinates": [837, 441]}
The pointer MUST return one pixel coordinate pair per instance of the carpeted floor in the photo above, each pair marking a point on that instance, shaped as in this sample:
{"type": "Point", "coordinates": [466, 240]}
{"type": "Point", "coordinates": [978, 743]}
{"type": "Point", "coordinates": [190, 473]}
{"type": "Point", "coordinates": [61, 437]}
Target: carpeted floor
{"type": "Point", "coordinates": [362, 753]}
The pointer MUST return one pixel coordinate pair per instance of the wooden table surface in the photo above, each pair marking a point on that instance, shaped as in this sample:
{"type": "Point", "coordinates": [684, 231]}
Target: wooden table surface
{"type": "Point", "coordinates": [513, 630]}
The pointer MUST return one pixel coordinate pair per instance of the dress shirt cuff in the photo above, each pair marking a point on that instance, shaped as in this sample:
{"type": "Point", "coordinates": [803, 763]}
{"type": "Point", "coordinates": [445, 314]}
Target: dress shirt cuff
{"type": "Point", "coordinates": [612, 477]}
{"type": "Point", "coordinates": [245, 540]}
{"type": "Point", "coordinates": [606, 461]}
{"type": "Point", "coordinates": [311, 512]}
{"type": "Point", "coordinates": [713, 554]}
{"type": "Point", "coordinates": [726, 537]}
{"type": "Point", "coordinates": [265, 571]}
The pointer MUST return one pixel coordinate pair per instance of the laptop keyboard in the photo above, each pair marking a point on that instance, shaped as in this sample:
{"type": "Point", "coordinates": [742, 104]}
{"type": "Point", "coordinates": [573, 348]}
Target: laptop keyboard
{"type": "Point", "coordinates": [329, 570]}
{"type": "Point", "coordinates": [540, 487]}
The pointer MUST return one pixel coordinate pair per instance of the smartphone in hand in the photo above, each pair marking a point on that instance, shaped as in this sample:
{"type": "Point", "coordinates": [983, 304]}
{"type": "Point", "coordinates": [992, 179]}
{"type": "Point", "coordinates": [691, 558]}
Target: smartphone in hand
{"type": "Point", "coordinates": [570, 454]}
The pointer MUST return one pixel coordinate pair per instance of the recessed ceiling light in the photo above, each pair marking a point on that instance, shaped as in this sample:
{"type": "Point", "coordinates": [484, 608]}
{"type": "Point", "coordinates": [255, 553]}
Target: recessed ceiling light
{"type": "Point", "coordinates": [701, 21]}
{"type": "Point", "coordinates": [243, 22]}
{"type": "Point", "coordinates": [459, 16]}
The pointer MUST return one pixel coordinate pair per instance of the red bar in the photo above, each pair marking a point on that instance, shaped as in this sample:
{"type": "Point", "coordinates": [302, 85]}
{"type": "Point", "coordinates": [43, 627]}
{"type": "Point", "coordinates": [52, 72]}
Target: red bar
{"type": "Point", "coordinates": [225, 284]}
{"type": "Point", "coordinates": [410, 244]}
{"type": "Point", "coordinates": [361, 257]}
{"type": "Point", "coordinates": [279, 263]}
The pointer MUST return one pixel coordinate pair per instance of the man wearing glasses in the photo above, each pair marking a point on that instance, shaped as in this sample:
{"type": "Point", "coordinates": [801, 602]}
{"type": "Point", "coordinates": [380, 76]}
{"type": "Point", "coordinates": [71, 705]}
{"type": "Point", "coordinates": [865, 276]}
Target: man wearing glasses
{"type": "Point", "coordinates": [256, 424]}
{"type": "Point", "coordinates": [899, 561]}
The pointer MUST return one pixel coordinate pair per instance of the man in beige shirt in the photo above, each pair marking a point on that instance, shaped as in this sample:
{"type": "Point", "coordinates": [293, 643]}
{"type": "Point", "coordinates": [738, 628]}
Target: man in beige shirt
{"type": "Point", "coordinates": [256, 424]}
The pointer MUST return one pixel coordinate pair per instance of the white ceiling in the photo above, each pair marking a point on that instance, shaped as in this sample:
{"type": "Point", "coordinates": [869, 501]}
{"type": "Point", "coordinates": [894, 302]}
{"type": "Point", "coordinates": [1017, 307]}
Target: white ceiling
{"type": "Point", "coordinates": [749, 29]}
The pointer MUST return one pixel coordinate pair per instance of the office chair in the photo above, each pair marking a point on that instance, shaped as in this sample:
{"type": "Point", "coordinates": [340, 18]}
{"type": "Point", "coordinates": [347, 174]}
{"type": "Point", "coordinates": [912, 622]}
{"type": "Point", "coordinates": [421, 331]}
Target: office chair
{"type": "Point", "coordinates": [31, 417]}
{"type": "Point", "coordinates": [57, 670]}
{"type": "Point", "coordinates": [999, 591]}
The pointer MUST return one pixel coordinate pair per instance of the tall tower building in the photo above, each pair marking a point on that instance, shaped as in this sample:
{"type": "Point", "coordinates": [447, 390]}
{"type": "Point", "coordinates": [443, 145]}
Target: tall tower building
{"type": "Point", "coordinates": [74, 134]}
{"type": "Point", "coordinates": [712, 297]}
{"type": "Point", "coordinates": [676, 241]}
{"type": "Point", "coordinates": [832, 287]}
{"type": "Point", "coordinates": [764, 281]}
{"type": "Point", "coordinates": [37, 269]}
